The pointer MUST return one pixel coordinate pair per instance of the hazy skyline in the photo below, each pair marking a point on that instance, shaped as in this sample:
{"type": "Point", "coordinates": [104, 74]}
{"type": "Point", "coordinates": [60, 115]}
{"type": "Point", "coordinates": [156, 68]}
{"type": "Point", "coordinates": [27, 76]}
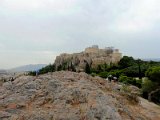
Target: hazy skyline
{"type": "Point", "coordinates": [36, 31]}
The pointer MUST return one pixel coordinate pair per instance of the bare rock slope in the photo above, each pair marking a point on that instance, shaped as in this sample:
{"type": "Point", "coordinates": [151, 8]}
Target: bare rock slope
{"type": "Point", "coordinates": [68, 96]}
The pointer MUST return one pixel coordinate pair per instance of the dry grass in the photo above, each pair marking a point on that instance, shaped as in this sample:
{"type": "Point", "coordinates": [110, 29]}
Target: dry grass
{"type": "Point", "coordinates": [129, 95]}
{"type": "Point", "coordinates": [82, 110]}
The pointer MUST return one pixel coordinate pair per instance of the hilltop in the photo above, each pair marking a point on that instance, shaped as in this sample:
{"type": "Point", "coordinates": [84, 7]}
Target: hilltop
{"type": "Point", "coordinates": [70, 96]}
{"type": "Point", "coordinates": [93, 56]}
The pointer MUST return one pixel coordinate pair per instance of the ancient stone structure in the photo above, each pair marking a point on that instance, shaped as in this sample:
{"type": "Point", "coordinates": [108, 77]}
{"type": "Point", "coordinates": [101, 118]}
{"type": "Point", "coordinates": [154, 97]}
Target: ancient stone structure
{"type": "Point", "coordinates": [92, 55]}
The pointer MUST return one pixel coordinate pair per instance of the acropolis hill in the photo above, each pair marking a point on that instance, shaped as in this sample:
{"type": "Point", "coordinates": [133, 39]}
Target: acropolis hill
{"type": "Point", "coordinates": [92, 55]}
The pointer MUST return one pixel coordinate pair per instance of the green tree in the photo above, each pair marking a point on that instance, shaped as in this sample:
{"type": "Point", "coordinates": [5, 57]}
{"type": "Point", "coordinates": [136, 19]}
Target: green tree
{"type": "Point", "coordinates": [154, 75]}
{"type": "Point", "coordinates": [105, 66]}
{"type": "Point", "coordinates": [46, 69]}
{"type": "Point", "coordinates": [59, 68]}
{"type": "Point", "coordinates": [115, 73]}
{"type": "Point", "coordinates": [127, 80]}
{"type": "Point", "coordinates": [99, 68]}
{"type": "Point", "coordinates": [32, 73]}
{"type": "Point", "coordinates": [126, 62]}
{"type": "Point", "coordinates": [87, 68]}
{"type": "Point", "coordinates": [139, 62]}
{"type": "Point", "coordinates": [103, 74]}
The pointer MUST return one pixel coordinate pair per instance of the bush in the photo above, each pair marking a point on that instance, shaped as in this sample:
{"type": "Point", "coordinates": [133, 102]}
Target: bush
{"type": "Point", "coordinates": [87, 68]}
{"type": "Point", "coordinates": [130, 96]}
{"type": "Point", "coordinates": [139, 83]}
{"type": "Point", "coordinates": [115, 73]}
{"type": "Point", "coordinates": [131, 71]}
{"type": "Point", "coordinates": [126, 80]}
{"type": "Point", "coordinates": [103, 74]}
{"type": "Point", "coordinates": [154, 74]}
{"type": "Point", "coordinates": [59, 68]}
{"type": "Point", "coordinates": [32, 73]}
{"type": "Point", "coordinates": [147, 87]}
{"type": "Point", "coordinates": [93, 70]}
{"type": "Point", "coordinates": [156, 97]}
{"type": "Point", "coordinates": [129, 80]}
{"type": "Point", "coordinates": [48, 68]}
{"type": "Point", "coordinates": [126, 62]}
{"type": "Point", "coordinates": [93, 74]}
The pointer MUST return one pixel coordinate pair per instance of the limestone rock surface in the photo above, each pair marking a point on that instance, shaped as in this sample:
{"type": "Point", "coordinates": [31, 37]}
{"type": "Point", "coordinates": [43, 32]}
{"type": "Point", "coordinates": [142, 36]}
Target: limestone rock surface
{"type": "Point", "coordinates": [67, 96]}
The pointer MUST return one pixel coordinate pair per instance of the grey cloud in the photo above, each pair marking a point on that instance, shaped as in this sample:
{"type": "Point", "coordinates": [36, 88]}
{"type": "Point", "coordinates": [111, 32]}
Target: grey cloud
{"type": "Point", "coordinates": [62, 26]}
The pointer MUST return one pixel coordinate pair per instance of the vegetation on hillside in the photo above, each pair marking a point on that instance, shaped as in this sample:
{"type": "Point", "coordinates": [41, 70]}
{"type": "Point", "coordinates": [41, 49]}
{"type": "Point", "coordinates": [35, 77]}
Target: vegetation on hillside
{"type": "Point", "coordinates": [46, 69]}
{"type": "Point", "coordinates": [143, 74]}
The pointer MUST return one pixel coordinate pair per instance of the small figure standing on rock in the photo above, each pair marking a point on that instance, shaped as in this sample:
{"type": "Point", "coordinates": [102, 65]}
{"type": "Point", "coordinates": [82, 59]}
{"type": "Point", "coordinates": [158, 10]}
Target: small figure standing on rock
{"type": "Point", "coordinates": [12, 79]}
{"type": "Point", "coordinates": [115, 79]}
{"type": "Point", "coordinates": [37, 72]}
{"type": "Point", "coordinates": [110, 77]}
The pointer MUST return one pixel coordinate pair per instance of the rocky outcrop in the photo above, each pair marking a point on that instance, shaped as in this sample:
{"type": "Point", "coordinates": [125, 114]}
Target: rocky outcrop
{"type": "Point", "coordinates": [92, 55]}
{"type": "Point", "coordinates": [67, 96]}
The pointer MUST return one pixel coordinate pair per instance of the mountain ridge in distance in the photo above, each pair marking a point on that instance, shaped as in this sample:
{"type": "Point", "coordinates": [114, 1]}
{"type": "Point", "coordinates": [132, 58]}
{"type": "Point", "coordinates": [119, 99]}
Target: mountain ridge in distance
{"type": "Point", "coordinates": [2, 71]}
{"type": "Point", "coordinates": [152, 59]}
{"type": "Point", "coordinates": [25, 68]}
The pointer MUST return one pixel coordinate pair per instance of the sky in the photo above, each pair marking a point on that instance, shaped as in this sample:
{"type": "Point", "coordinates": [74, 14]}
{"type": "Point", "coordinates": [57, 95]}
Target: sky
{"type": "Point", "coordinates": [36, 31]}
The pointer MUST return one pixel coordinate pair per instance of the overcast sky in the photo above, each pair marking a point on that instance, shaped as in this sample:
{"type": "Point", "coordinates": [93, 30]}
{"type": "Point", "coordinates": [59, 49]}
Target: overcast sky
{"type": "Point", "coordinates": [36, 31]}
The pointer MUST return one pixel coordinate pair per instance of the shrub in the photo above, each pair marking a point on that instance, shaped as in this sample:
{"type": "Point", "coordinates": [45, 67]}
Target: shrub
{"type": "Point", "coordinates": [93, 74]}
{"type": "Point", "coordinates": [103, 74]}
{"type": "Point", "coordinates": [46, 69]}
{"type": "Point", "coordinates": [154, 74]}
{"type": "Point", "coordinates": [87, 68]}
{"type": "Point", "coordinates": [125, 89]}
{"type": "Point", "coordinates": [151, 89]}
{"type": "Point", "coordinates": [156, 97]}
{"type": "Point", "coordinates": [126, 62]}
{"type": "Point", "coordinates": [147, 87]}
{"type": "Point", "coordinates": [139, 83]}
{"type": "Point", "coordinates": [129, 80]}
{"type": "Point", "coordinates": [59, 68]}
{"type": "Point", "coordinates": [32, 73]}
{"type": "Point", "coordinates": [130, 96]}
{"type": "Point", "coordinates": [125, 79]}
{"type": "Point", "coordinates": [115, 73]}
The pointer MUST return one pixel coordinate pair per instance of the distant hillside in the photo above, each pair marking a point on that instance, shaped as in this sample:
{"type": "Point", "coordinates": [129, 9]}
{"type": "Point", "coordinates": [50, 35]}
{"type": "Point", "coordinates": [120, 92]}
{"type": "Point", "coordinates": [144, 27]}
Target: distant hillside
{"type": "Point", "coordinates": [3, 71]}
{"type": "Point", "coordinates": [27, 68]}
{"type": "Point", "coordinates": [152, 59]}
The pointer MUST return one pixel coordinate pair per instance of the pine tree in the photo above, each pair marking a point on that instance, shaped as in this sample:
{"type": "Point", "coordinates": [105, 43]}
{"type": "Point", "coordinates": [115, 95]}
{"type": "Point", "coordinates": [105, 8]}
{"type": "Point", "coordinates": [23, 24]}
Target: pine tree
{"type": "Point", "coordinates": [87, 68]}
{"type": "Point", "coordinates": [105, 67]}
{"type": "Point", "coordinates": [59, 68]}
